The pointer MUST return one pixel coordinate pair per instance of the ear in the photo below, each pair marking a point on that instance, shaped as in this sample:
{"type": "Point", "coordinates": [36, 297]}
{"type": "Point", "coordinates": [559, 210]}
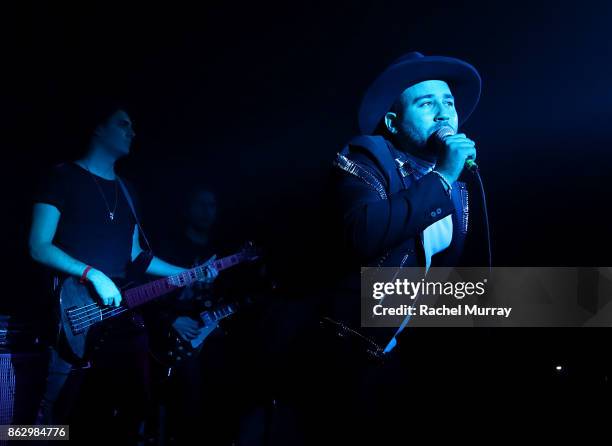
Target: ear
{"type": "Point", "coordinates": [391, 122]}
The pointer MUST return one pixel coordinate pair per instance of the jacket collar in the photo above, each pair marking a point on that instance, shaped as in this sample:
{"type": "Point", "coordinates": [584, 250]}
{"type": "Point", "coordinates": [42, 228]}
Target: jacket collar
{"type": "Point", "coordinates": [411, 165]}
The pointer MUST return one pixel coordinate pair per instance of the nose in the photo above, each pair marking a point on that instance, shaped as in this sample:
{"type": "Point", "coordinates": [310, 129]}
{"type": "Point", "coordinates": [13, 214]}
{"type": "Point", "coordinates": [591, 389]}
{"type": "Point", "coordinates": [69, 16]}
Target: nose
{"type": "Point", "coordinates": [442, 114]}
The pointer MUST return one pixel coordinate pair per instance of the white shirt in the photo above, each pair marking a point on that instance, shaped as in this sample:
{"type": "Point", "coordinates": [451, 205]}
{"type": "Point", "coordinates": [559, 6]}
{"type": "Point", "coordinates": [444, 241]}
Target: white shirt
{"type": "Point", "coordinates": [436, 237]}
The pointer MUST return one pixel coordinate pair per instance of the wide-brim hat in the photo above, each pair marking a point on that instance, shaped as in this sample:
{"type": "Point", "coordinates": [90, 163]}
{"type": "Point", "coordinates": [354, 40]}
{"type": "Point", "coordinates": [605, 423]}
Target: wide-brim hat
{"type": "Point", "coordinates": [410, 69]}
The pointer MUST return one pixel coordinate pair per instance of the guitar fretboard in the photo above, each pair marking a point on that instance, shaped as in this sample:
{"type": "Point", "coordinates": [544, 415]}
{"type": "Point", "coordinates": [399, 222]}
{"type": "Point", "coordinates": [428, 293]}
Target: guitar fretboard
{"type": "Point", "coordinates": [144, 293]}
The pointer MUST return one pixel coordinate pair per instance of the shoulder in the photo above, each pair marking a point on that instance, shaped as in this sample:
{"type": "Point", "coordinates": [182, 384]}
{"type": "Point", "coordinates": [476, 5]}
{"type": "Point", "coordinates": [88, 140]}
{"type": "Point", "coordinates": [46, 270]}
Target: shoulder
{"type": "Point", "coordinates": [56, 184]}
{"type": "Point", "coordinates": [364, 150]}
{"type": "Point", "coordinates": [61, 174]}
{"type": "Point", "coordinates": [355, 168]}
{"type": "Point", "coordinates": [366, 153]}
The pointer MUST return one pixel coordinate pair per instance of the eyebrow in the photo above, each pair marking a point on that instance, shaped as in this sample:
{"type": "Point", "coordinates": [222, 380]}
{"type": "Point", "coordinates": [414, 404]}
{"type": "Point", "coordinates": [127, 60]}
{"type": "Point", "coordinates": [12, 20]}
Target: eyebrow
{"type": "Point", "coordinates": [429, 96]}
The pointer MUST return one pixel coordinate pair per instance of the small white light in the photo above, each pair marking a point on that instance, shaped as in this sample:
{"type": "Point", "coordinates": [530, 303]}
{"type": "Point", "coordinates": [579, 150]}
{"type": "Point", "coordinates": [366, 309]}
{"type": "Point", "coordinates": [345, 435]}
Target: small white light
{"type": "Point", "coordinates": [559, 368]}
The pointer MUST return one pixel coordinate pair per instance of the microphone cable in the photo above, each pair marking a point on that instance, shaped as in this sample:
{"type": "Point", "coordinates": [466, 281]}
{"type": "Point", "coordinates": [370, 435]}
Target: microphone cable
{"type": "Point", "coordinates": [476, 173]}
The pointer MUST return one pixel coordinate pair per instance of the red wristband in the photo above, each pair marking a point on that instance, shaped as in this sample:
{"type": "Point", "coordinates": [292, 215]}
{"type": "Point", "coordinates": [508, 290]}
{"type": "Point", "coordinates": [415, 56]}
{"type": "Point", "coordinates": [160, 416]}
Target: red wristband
{"type": "Point", "coordinates": [84, 275]}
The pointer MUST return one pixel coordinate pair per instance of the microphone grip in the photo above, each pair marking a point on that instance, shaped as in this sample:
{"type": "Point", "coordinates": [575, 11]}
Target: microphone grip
{"type": "Point", "coordinates": [471, 165]}
{"type": "Point", "coordinates": [441, 134]}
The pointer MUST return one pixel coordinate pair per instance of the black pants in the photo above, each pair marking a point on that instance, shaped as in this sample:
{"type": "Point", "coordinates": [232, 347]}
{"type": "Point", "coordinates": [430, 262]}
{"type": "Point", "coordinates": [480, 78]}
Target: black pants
{"type": "Point", "coordinates": [106, 401]}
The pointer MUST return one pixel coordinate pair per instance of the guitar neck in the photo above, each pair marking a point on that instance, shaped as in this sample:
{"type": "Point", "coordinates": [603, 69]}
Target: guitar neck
{"type": "Point", "coordinates": [144, 293]}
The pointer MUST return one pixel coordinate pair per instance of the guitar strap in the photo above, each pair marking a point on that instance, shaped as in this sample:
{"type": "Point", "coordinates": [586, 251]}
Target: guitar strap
{"type": "Point", "coordinates": [131, 204]}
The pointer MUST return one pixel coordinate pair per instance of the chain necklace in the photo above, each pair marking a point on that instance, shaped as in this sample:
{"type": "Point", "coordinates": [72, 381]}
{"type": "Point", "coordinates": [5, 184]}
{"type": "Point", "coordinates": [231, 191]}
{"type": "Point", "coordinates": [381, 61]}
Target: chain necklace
{"type": "Point", "coordinates": [111, 214]}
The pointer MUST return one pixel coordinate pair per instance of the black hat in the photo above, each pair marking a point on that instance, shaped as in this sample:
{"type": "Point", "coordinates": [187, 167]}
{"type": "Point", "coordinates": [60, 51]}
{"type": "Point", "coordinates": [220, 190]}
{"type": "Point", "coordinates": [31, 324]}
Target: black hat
{"type": "Point", "coordinates": [410, 69]}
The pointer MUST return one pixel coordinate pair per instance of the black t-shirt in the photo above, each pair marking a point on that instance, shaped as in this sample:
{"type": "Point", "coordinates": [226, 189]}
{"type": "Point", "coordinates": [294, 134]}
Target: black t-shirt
{"type": "Point", "coordinates": [85, 231]}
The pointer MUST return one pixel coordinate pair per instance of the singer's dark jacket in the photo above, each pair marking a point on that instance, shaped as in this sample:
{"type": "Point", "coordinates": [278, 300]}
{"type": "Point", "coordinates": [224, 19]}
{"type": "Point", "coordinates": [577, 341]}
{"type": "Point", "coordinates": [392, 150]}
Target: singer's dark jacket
{"type": "Point", "coordinates": [384, 208]}
{"type": "Point", "coordinates": [380, 209]}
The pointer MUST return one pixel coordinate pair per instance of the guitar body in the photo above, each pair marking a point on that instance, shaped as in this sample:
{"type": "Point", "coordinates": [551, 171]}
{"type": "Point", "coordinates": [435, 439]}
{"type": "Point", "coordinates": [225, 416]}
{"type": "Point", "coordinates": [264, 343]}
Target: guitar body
{"type": "Point", "coordinates": [79, 313]}
{"type": "Point", "coordinates": [177, 349]}
{"type": "Point", "coordinates": [174, 349]}
{"type": "Point", "coordinates": [84, 320]}
{"type": "Point", "coordinates": [73, 295]}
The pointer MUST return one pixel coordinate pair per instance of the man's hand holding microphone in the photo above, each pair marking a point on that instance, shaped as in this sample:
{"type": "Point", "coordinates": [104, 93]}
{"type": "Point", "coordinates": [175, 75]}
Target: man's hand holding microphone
{"type": "Point", "coordinates": [456, 152]}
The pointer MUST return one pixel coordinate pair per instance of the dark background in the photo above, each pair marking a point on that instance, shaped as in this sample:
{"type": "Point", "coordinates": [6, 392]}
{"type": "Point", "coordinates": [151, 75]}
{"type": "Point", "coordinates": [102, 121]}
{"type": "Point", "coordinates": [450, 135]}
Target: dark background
{"type": "Point", "coordinates": [255, 100]}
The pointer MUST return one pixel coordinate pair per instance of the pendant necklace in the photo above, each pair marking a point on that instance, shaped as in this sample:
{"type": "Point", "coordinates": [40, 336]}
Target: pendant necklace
{"type": "Point", "coordinates": [111, 214]}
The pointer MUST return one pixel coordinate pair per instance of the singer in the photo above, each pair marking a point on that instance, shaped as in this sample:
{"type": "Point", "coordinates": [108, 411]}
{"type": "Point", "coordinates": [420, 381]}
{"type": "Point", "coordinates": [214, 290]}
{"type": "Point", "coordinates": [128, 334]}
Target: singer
{"type": "Point", "coordinates": [397, 184]}
{"type": "Point", "coordinates": [398, 202]}
{"type": "Point", "coordinates": [396, 188]}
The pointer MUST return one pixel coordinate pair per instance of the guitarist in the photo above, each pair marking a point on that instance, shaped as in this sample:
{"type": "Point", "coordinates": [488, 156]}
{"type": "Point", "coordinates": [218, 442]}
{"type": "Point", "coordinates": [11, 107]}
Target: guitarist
{"type": "Point", "coordinates": [85, 225]}
{"type": "Point", "coordinates": [198, 391]}
{"type": "Point", "coordinates": [191, 246]}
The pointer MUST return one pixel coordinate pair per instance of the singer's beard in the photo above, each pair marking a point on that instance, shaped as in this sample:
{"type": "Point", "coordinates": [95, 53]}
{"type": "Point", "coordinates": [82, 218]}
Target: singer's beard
{"type": "Point", "coordinates": [416, 143]}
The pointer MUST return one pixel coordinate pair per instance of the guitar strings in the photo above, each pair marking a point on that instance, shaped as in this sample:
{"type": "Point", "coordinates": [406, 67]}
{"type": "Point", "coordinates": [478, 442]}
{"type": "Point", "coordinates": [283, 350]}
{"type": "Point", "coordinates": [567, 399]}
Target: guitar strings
{"type": "Point", "coordinates": [101, 314]}
{"type": "Point", "coordinates": [84, 309]}
{"type": "Point", "coordinates": [89, 321]}
{"type": "Point", "coordinates": [105, 314]}
{"type": "Point", "coordinates": [97, 315]}
{"type": "Point", "coordinates": [93, 309]}
{"type": "Point", "coordinates": [87, 315]}
{"type": "Point", "coordinates": [80, 309]}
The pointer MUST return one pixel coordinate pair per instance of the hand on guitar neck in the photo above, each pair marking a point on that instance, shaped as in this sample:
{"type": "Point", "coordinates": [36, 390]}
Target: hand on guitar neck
{"type": "Point", "coordinates": [210, 271]}
{"type": "Point", "coordinates": [185, 326]}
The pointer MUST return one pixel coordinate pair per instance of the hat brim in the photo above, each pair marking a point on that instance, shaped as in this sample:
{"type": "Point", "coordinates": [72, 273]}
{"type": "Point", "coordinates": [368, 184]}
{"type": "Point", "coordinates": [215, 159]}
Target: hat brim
{"type": "Point", "coordinates": [462, 78]}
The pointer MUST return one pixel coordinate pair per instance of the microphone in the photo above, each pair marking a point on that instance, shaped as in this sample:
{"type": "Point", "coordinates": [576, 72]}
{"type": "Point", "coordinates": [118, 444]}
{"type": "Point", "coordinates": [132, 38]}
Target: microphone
{"type": "Point", "coordinates": [442, 133]}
